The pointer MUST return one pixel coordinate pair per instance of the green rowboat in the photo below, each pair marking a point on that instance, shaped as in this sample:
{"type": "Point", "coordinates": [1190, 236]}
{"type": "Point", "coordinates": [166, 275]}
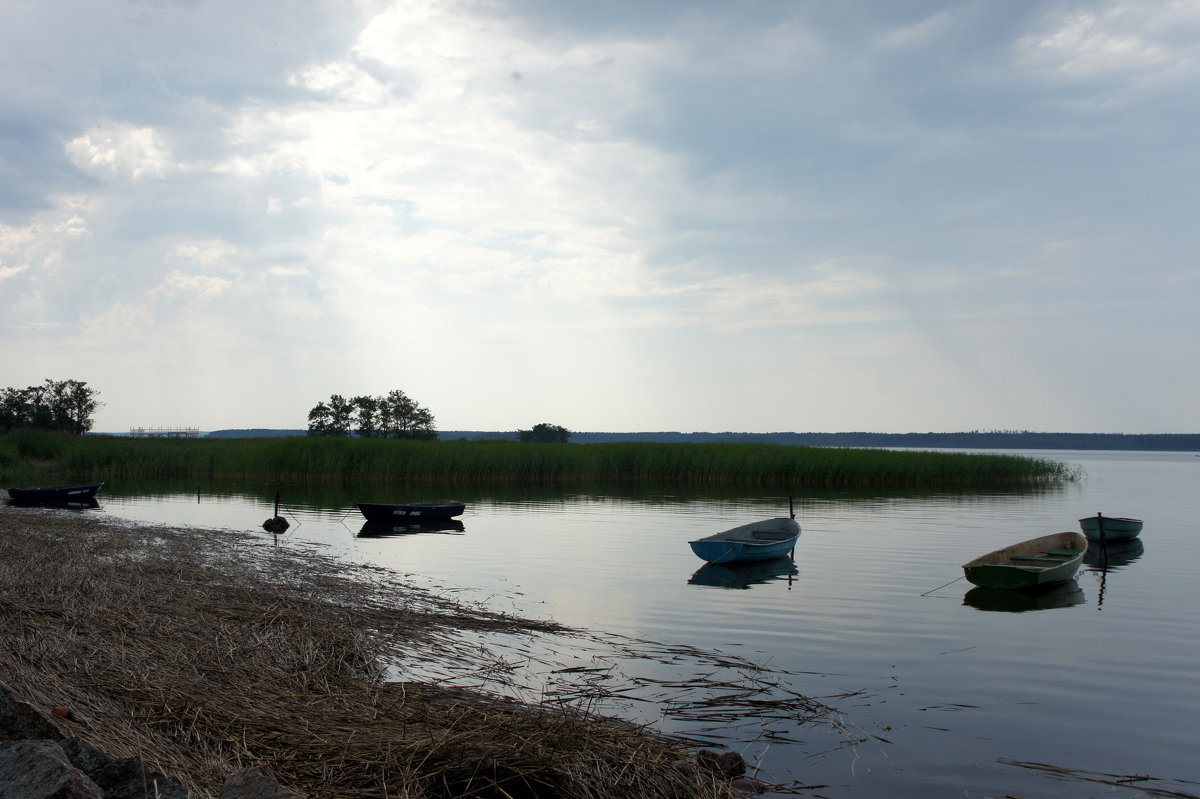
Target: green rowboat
{"type": "Point", "coordinates": [1030, 564]}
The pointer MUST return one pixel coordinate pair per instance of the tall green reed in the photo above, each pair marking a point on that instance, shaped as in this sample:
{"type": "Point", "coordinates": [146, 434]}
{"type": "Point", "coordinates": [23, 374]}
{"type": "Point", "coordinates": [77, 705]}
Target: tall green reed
{"type": "Point", "coordinates": [325, 459]}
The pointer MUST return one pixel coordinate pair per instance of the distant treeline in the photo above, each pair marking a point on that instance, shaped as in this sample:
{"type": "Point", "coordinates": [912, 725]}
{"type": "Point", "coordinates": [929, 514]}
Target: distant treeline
{"type": "Point", "coordinates": [1175, 442]}
{"type": "Point", "coordinates": [1185, 442]}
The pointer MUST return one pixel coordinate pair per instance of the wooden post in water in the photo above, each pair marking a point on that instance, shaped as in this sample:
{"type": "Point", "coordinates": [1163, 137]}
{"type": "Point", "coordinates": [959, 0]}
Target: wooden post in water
{"type": "Point", "coordinates": [792, 552]}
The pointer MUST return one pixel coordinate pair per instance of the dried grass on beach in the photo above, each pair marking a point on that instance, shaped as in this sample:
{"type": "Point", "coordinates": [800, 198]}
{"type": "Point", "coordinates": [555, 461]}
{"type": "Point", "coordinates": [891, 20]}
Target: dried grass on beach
{"type": "Point", "coordinates": [202, 652]}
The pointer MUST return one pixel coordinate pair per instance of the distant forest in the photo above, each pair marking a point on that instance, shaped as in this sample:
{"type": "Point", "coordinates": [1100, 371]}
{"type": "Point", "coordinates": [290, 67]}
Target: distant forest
{"type": "Point", "coordinates": [1174, 442]}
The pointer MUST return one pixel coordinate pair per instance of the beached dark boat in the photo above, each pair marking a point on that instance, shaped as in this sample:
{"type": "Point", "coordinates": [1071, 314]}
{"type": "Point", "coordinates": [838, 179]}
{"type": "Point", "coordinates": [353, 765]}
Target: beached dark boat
{"type": "Point", "coordinates": [411, 512]}
{"type": "Point", "coordinates": [54, 494]}
{"type": "Point", "coordinates": [1030, 564]}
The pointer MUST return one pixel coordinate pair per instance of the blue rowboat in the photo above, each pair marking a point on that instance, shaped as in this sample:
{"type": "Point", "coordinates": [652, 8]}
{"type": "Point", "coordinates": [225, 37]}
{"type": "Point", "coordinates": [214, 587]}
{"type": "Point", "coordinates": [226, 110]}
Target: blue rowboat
{"type": "Point", "coordinates": [411, 512]}
{"type": "Point", "coordinates": [1110, 528]}
{"type": "Point", "coordinates": [769, 538]}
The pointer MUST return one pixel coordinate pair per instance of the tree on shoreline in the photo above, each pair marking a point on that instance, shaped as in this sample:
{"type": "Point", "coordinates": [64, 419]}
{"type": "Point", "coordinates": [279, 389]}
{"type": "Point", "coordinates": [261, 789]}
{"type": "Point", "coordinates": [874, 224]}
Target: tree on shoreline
{"type": "Point", "coordinates": [392, 416]}
{"type": "Point", "coordinates": [64, 405]}
{"type": "Point", "coordinates": [545, 434]}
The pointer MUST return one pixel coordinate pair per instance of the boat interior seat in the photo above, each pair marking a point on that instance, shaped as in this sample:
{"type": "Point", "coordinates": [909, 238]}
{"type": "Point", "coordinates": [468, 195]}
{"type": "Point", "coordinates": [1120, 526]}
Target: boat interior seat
{"type": "Point", "coordinates": [1069, 553]}
{"type": "Point", "coordinates": [771, 535]}
{"type": "Point", "coordinates": [1041, 558]}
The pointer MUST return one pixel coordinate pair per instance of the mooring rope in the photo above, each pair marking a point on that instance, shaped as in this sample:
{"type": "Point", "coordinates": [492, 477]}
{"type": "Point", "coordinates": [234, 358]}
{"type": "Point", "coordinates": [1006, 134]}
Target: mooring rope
{"type": "Point", "coordinates": [940, 587]}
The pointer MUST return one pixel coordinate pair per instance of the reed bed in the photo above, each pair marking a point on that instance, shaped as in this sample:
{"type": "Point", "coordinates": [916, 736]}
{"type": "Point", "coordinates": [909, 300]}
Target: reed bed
{"type": "Point", "coordinates": [204, 651]}
{"type": "Point", "coordinates": [365, 461]}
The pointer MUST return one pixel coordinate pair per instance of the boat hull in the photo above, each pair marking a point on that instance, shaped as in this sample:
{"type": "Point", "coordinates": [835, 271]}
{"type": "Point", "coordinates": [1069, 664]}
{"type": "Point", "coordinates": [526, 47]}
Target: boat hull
{"type": "Point", "coordinates": [1115, 528]}
{"type": "Point", "coordinates": [770, 538]}
{"type": "Point", "coordinates": [74, 493]}
{"type": "Point", "coordinates": [415, 511]}
{"type": "Point", "coordinates": [1031, 564]}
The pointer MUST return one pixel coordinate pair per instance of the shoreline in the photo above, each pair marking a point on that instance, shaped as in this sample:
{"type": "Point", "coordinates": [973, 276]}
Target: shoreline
{"type": "Point", "coordinates": [204, 652]}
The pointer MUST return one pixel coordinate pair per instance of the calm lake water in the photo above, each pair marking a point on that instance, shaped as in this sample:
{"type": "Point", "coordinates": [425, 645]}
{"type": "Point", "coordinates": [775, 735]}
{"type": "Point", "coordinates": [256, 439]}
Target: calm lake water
{"type": "Point", "coordinates": [944, 692]}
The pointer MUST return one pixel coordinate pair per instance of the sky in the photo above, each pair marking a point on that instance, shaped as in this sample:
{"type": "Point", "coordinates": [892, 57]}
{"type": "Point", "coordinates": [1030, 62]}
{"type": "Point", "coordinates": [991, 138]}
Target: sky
{"type": "Point", "coordinates": [758, 216]}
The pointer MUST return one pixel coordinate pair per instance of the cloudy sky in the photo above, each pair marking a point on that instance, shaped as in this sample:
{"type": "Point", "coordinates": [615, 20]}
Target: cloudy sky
{"type": "Point", "coordinates": [791, 215]}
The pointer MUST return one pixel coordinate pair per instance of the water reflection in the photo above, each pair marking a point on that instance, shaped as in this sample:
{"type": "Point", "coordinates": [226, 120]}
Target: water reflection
{"type": "Point", "coordinates": [1114, 555]}
{"type": "Point", "coordinates": [386, 529]}
{"type": "Point", "coordinates": [1062, 595]}
{"type": "Point", "coordinates": [334, 496]}
{"type": "Point", "coordinates": [1108, 557]}
{"type": "Point", "coordinates": [90, 503]}
{"type": "Point", "coordinates": [745, 575]}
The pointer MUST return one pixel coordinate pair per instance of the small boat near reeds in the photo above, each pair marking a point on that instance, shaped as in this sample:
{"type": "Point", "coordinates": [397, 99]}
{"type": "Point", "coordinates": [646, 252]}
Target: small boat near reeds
{"type": "Point", "coordinates": [54, 494]}
{"type": "Point", "coordinates": [1110, 528]}
{"type": "Point", "coordinates": [762, 540]}
{"type": "Point", "coordinates": [412, 511]}
{"type": "Point", "coordinates": [1031, 564]}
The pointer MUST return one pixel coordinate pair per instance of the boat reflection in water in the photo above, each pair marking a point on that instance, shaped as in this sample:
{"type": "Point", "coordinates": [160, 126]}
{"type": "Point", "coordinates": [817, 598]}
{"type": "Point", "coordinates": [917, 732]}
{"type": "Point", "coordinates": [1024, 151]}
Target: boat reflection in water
{"type": "Point", "coordinates": [745, 575]}
{"type": "Point", "coordinates": [1060, 595]}
{"type": "Point", "coordinates": [89, 503]}
{"type": "Point", "coordinates": [389, 529]}
{"type": "Point", "coordinates": [1113, 555]}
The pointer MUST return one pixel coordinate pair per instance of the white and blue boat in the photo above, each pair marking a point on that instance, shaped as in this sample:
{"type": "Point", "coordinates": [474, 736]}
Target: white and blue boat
{"type": "Point", "coordinates": [769, 538]}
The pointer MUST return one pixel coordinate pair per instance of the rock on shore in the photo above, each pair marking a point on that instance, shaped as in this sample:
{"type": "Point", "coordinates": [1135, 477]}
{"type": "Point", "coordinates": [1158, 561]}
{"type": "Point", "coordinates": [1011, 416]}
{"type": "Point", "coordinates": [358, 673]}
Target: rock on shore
{"type": "Point", "coordinates": [39, 761]}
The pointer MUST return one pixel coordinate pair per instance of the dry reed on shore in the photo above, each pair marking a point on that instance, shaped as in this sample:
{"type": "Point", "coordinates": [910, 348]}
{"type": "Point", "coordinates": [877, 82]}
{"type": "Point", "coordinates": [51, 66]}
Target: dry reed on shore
{"type": "Point", "coordinates": [199, 656]}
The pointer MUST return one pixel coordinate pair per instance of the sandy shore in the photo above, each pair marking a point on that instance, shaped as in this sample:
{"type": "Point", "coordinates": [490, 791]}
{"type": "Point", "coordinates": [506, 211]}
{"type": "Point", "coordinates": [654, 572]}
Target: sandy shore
{"type": "Point", "coordinates": [205, 651]}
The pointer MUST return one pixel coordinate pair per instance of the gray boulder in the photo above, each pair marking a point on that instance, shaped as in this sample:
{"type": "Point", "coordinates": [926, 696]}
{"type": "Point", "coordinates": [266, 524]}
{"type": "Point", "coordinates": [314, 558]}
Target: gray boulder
{"type": "Point", "coordinates": [40, 770]}
{"type": "Point", "coordinates": [120, 778]}
{"type": "Point", "coordinates": [21, 721]}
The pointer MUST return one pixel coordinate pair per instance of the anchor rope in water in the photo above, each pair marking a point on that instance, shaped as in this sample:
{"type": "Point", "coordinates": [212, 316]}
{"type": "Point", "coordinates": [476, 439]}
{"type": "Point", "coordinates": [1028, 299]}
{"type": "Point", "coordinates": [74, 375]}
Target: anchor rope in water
{"type": "Point", "coordinates": [940, 587]}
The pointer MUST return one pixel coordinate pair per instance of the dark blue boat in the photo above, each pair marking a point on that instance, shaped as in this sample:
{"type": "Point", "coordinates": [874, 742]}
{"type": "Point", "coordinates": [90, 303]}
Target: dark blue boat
{"type": "Point", "coordinates": [411, 512]}
{"type": "Point", "coordinates": [54, 494]}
